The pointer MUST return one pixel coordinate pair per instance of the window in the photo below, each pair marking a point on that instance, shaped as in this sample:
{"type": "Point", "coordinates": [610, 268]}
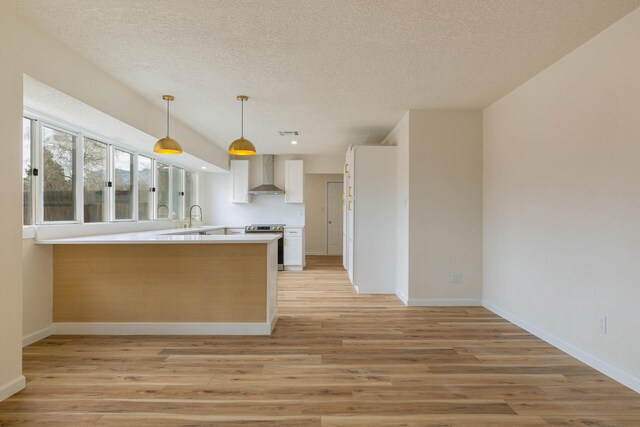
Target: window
{"type": "Point", "coordinates": [58, 175]}
{"type": "Point", "coordinates": [177, 201]}
{"type": "Point", "coordinates": [68, 177]}
{"type": "Point", "coordinates": [190, 191]}
{"type": "Point", "coordinates": [123, 184]}
{"type": "Point", "coordinates": [27, 170]}
{"type": "Point", "coordinates": [95, 172]}
{"type": "Point", "coordinates": [145, 194]}
{"type": "Point", "coordinates": [162, 191]}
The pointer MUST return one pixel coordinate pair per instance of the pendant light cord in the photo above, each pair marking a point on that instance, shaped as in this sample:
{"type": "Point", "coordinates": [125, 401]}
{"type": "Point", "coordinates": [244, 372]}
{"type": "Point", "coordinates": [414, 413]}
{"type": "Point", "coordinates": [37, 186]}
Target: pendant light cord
{"type": "Point", "coordinates": [168, 117]}
{"type": "Point", "coordinates": [242, 118]}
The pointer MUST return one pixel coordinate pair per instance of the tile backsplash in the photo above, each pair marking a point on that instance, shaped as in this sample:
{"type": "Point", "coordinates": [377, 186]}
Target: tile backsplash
{"type": "Point", "coordinates": [215, 199]}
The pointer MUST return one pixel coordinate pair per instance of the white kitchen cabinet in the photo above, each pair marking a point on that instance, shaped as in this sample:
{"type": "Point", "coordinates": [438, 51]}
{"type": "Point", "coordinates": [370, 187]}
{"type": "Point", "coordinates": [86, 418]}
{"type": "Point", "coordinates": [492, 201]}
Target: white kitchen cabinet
{"type": "Point", "coordinates": [293, 181]}
{"type": "Point", "coordinates": [370, 220]}
{"type": "Point", "coordinates": [293, 248]}
{"type": "Point", "coordinates": [240, 181]}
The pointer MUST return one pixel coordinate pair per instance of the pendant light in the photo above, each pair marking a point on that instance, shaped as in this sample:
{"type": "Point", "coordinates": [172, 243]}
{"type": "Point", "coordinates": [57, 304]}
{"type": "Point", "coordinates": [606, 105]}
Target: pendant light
{"type": "Point", "coordinates": [167, 145]}
{"type": "Point", "coordinates": [242, 146]}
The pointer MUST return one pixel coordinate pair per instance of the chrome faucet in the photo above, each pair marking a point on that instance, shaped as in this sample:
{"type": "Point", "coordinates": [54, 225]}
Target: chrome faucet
{"type": "Point", "coordinates": [191, 216]}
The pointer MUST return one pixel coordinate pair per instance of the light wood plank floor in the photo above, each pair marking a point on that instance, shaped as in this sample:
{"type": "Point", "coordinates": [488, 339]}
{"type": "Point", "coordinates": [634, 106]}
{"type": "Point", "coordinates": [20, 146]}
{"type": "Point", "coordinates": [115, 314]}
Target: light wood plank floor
{"type": "Point", "coordinates": [335, 359]}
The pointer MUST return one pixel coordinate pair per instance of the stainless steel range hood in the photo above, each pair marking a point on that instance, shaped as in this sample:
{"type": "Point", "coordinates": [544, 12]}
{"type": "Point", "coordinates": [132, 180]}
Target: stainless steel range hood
{"type": "Point", "coordinates": [267, 187]}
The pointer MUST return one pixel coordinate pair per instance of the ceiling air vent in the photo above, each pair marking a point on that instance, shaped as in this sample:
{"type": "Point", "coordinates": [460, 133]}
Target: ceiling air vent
{"type": "Point", "coordinates": [290, 133]}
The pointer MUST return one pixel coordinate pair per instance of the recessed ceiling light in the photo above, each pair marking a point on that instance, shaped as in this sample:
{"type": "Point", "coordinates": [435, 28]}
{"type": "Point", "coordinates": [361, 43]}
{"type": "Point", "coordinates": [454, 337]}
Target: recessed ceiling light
{"type": "Point", "coordinates": [203, 167]}
{"type": "Point", "coordinates": [294, 142]}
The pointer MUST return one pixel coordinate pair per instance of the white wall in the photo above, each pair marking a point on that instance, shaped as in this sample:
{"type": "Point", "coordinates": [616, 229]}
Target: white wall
{"type": "Point", "coordinates": [439, 206]}
{"type": "Point", "coordinates": [315, 208]}
{"type": "Point", "coordinates": [37, 287]}
{"type": "Point", "coordinates": [11, 379]}
{"type": "Point", "coordinates": [399, 137]}
{"type": "Point", "coordinates": [215, 200]}
{"type": "Point", "coordinates": [445, 213]}
{"type": "Point", "coordinates": [323, 163]}
{"type": "Point", "coordinates": [25, 49]}
{"type": "Point", "coordinates": [562, 201]}
{"type": "Point", "coordinates": [215, 193]}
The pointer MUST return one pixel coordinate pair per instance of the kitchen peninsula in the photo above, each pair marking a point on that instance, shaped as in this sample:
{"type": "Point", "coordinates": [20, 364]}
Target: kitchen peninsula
{"type": "Point", "coordinates": [181, 281]}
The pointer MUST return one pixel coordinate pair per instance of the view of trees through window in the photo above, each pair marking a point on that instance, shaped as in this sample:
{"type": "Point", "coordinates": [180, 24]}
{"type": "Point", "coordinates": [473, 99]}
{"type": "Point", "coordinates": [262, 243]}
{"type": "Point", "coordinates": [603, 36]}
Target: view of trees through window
{"type": "Point", "coordinates": [58, 171]}
{"type": "Point", "coordinates": [123, 183]}
{"type": "Point", "coordinates": [162, 191]}
{"type": "Point", "coordinates": [145, 183]}
{"type": "Point", "coordinates": [177, 202]}
{"type": "Point", "coordinates": [189, 191]}
{"type": "Point", "coordinates": [95, 167]}
{"type": "Point", "coordinates": [110, 183]}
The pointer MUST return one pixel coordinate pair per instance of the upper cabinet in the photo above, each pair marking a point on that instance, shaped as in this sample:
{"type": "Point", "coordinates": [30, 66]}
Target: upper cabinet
{"type": "Point", "coordinates": [293, 181]}
{"type": "Point", "coordinates": [240, 181]}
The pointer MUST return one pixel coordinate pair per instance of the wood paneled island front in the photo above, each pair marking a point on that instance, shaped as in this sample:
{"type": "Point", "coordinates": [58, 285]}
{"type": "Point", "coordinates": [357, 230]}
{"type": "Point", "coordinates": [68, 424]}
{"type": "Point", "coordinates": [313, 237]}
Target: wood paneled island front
{"type": "Point", "coordinates": [159, 283]}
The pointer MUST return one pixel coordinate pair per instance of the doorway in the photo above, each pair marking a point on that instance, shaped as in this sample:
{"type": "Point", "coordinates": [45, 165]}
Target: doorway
{"type": "Point", "coordinates": [334, 218]}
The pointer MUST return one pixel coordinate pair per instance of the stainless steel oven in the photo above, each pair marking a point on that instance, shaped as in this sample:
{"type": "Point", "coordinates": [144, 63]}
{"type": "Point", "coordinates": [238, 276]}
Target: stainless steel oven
{"type": "Point", "coordinates": [273, 229]}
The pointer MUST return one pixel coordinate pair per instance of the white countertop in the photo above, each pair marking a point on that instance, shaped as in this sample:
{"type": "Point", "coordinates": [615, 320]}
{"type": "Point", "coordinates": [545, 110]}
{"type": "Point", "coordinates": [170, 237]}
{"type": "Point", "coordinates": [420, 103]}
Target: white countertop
{"type": "Point", "coordinates": [175, 235]}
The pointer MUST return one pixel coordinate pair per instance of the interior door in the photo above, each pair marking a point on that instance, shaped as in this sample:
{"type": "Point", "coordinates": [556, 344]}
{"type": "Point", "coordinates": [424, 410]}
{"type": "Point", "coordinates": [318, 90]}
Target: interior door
{"type": "Point", "coordinates": [334, 218]}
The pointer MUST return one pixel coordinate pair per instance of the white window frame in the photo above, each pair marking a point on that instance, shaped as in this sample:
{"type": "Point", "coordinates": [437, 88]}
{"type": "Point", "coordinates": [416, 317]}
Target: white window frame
{"type": "Point", "coordinates": [155, 185]}
{"type": "Point", "coordinates": [177, 193]}
{"type": "Point", "coordinates": [152, 188]}
{"type": "Point", "coordinates": [107, 213]}
{"type": "Point", "coordinates": [112, 189]}
{"type": "Point", "coordinates": [152, 195]}
{"type": "Point", "coordinates": [78, 184]}
{"type": "Point", "coordinates": [196, 182]}
{"type": "Point", "coordinates": [38, 120]}
{"type": "Point", "coordinates": [33, 164]}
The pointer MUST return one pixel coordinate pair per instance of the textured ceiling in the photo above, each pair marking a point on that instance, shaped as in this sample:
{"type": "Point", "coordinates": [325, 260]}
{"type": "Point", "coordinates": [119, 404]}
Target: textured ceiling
{"type": "Point", "coordinates": [341, 72]}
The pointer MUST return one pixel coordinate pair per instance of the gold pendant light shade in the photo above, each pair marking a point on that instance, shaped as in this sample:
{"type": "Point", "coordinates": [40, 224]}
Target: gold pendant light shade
{"type": "Point", "coordinates": [167, 145]}
{"type": "Point", "coordinates": [242, 146]}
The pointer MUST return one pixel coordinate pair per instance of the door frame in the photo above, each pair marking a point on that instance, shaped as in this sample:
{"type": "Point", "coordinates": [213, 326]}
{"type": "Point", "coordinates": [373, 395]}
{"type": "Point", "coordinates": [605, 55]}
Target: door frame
{"type": "Point", "coordinates": [326, 214]}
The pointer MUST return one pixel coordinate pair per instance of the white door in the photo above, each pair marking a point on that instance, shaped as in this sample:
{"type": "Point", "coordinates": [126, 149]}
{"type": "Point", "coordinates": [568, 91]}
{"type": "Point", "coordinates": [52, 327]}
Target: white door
{"type": "Point", "coordinates": [334, 218]}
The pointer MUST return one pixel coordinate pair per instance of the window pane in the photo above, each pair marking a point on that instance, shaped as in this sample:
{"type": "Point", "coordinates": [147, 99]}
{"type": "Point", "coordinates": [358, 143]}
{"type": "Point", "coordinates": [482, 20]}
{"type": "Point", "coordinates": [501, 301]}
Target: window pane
{"type": "Point", "coordinates": [94, 165]}
{"type": "Point", "coordinates": [27, 184]}
{"type": "Point", "coordinates": [178, 197]}
{"type": "Point", "coordinates": [58, 175]}
{"type": "Point", "coordinates": [145, 196]}
{"type": "Point", "coordinates": [190, 191]}
{"type": "Point", "coordinates": [123, 184]}
{"type": "Point", "coordinates": [162, 191]}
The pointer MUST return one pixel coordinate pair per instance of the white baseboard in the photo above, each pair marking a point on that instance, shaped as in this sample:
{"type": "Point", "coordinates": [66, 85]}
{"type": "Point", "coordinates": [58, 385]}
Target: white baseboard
{"type": "Point", "coordinates": [413, 302]}
{"type": "Point", "coordinates": [10, 388]}
{"type": "Point", "coordinates": [402, 297]}
{"type": "Point", "coordinates": [37, 335]}
{"type": "Point", "coordinates": [292, 268]}
{"type": "Point", "coordinates": [272, 323]}
{"type": "Point", "coordinates": [178, 328]}
{"type": "Point", "coordinates": [587, 358]}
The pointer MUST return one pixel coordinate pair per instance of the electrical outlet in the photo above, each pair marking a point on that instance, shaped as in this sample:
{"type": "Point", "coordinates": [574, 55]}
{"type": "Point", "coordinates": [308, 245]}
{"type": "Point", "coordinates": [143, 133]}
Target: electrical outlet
{"type": "Point", "coordinates": [455, 277]}
{"type": "Point", "coordinates": [602, 323]}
